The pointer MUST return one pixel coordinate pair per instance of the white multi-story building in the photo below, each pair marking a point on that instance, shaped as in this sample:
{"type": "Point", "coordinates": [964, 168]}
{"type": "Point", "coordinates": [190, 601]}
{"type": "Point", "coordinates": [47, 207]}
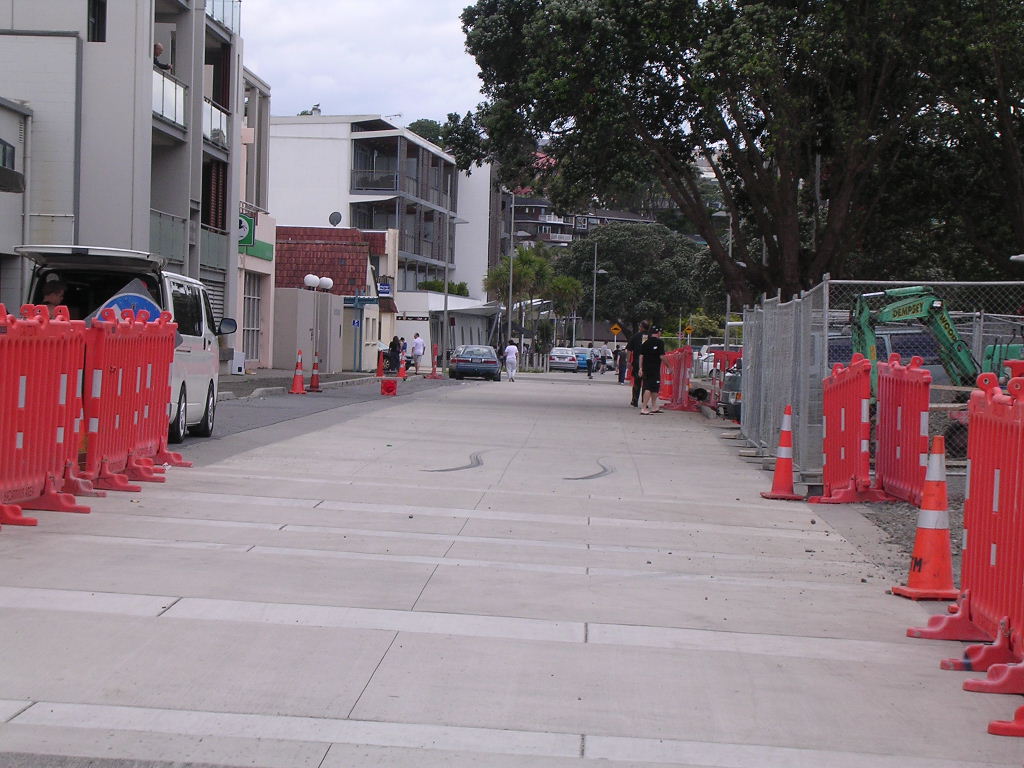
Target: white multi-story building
{"type": "Point", "coordinates": [377, 176]}
{"type": "Point", "coordinates": [128, 145]}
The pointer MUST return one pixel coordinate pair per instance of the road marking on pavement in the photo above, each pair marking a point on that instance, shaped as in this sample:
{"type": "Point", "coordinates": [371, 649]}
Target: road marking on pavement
{"type": "Point", "coordinates": [291, 728]}
{"type": "Point", "coordinates": [89, 602]}
{"type": "Point", "coordinates": [719, 755]}
{"type": "Point", "coordinates": [423, 622]}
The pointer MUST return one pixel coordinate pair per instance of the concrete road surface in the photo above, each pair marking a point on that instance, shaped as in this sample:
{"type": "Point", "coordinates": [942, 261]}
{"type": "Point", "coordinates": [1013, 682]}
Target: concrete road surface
{"type": "Point", "coordinates": [520, 575]}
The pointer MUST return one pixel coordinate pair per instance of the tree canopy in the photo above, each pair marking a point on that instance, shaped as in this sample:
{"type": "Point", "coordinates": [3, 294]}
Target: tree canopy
{"type": "Point", "coordinates": [833, 129]}
{"type": "Point", "coordinates": [427, 128]}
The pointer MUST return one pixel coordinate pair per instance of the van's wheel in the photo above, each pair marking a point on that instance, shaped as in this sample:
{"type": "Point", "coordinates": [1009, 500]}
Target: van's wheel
{"type": "Point", "coordinates": [176, 432]}
{"type": "Point", "coordinates": [205, 427]}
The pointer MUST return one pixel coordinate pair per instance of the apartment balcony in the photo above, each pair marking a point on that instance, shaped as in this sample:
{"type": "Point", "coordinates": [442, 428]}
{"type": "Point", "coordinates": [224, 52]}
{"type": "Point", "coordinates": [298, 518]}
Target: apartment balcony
{"type": "Point", "coordinates": [213, 248]}
{"type": "Point", "coordinates": [168, 236]}
{"type": "Point", "coordinates": [554, 237]}
{"type": "Point", "coordinates": [408, 243]}
{"type": "Point", "coordinates": [227, 12]}
{"type": "Point", "coordinates": [550, 218]}
{"type": "Point", "coordinates": [169, 98]}
{"type": "Point", "coordinates": [215, 124]}
{"type": "Point", "coordinates": [377, 181]}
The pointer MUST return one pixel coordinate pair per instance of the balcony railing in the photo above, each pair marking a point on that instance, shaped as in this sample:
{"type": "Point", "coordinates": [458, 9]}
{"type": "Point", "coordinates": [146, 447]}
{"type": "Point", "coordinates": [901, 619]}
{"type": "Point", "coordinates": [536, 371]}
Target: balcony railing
{"type": "Point", "coordinates": [376, 180]}
{"type": "Point", "coordinates": [168, 235]}
{"type": "Point", "coordinates": [555, 237]}
{"type": "Point", "coordinates": [227, 12]}
{"type": "Point", "coordinates": [169, 97]}
{"type": "Point", "coordinates": [215, 124]}
{"type": "Point", "coordinates": [213, 248]}
{"type": "Point", "coordinates": [408, 243]}
{"type": "Point", "coordinates": [550, 218]}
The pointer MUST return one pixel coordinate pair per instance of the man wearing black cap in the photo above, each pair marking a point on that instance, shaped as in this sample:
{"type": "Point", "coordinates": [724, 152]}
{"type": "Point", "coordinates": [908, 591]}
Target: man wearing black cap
{"type": "Point", "coordinates": [633, 350]}
{"type": "Point", "coordinates": [650, 371]}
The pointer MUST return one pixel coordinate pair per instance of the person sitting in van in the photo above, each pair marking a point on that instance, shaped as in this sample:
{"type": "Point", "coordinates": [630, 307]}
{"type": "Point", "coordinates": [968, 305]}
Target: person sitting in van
{"type": "Point", "coordinates": [53, 293]}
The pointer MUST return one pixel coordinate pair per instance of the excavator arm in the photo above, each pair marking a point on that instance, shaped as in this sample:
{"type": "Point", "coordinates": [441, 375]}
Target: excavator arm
{"type": "Point", "coordinates": [916, 303]}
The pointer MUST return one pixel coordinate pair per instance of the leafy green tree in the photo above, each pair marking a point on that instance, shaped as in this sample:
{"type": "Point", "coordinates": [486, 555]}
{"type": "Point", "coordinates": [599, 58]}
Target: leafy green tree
{"type": "Point", "coordinates": [565, 293]}
{"type": "Point", "coordinates": [427, 128]}
{"type": "Point", "coordinates": [801, 112]}
{"type": "Point", "coordinates": [652, 273]}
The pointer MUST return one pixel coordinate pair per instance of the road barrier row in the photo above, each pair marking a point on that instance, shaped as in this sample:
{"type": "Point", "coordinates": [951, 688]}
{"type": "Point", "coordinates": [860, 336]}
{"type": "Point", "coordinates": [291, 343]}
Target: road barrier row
{"type": "Point", "coordinates": [80, 406]}
{"type": "Point", "coordinates": [679, 365]}
{"type": "Point", "coordinates": [991, 604]}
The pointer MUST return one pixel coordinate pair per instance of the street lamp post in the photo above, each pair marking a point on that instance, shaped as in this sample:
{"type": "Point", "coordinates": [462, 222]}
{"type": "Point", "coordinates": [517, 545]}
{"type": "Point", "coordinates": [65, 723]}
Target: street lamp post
{"type": "Point", "coordinates": [593, 295]}
{"type": "Point", "coordinates": [316, 284]}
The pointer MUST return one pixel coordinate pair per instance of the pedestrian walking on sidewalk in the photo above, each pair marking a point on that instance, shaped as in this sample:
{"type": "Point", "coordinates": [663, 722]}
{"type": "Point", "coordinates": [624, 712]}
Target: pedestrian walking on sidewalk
{"type": "Point", "coordinates": [621, 361]}
{"type": "Point", "coordinates": [418, 347]}
{"type": "Point", "coordinates": [590, 360]}
{"type": "Point", "coordinates": [511, 356]}
{"type": "Point", "coordinates": [633, 350]}
{"type": "Point", "coordinates": [651, 352]}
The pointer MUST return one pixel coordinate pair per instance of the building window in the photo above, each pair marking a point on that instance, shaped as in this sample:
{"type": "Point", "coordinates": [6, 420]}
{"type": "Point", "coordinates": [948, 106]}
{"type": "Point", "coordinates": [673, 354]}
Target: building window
{"type": "Point", "coordinates": [6, 155]}
{"type": "Point", "coordinates": [252, 297]}
{"type": "Point", "coordinates": [96, 21]}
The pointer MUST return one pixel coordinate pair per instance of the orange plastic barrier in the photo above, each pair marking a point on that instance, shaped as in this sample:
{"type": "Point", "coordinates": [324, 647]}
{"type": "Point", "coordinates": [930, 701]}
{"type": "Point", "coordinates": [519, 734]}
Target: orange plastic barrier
{"type": "Point", "coordinates": [433, 366]}
{"type": "Point", "coordinates": [901, 457]}
{"type": "Point", "coordinates": [39, 410]}
{"type": "Point", "coordinates": [846, 473]}
{"type": "Point", "coordinates": [991, 606]}
{"type": "Point", "coordinates": [682, 373]}
{"type": "Point", "coordinates": [669, 376]}
{"type": "Point", "coordinates": [389, 387]}
{"type": "Point", "coordinates": [126, 397]}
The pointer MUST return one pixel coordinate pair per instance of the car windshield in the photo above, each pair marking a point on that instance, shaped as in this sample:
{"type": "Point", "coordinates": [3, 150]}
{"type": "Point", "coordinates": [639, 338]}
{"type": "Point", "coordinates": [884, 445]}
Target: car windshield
{"type": "Point", "coordinates": [477, 352]}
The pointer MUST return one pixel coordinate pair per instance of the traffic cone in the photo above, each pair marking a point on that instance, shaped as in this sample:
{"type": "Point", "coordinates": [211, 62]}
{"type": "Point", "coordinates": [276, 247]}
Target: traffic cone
{"type": "Point", "coordinates": [314, 377]}
{"type": "Point", "coordinates": [401, 368]}
{"type": "Point", "coordinates": [782, 481]}
{"type": "Point", "coordinates": [298, 387]}
{"type": "Point", "coordinates": [380, 364]}
{"type": "Point", "coordinates": [667, 383]}
{"type": "Point", "coordinates": [931, 564]}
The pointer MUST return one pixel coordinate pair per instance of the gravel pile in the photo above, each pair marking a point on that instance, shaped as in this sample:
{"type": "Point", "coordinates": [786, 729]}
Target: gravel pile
{"type": "Point", "coordinates": [898, 520]}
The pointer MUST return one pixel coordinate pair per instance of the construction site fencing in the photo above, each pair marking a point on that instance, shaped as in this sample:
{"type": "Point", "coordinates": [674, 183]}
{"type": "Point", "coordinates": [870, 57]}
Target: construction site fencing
{"type": "Point", "coordinates": [789, 348]}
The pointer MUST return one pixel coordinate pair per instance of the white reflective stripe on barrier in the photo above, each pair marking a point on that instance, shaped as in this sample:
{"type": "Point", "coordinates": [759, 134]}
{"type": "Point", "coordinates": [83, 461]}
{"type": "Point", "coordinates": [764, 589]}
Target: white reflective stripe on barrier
{"type": "Point", "coordinates": [899, 417]}
{"type": "Point", "coordinates": [995, 490]}
{"type": "Point", "coordinates": [934, 519]}
{"type": "Point", "coordinates": [60, 435]}
{"type": "Point", "coordinates": [865, 411]}
{"type": "Point", "coordinates": [967, 482]}
{"type": "Point", "coordinates": [62, 398]}
{"type": "Point", "coordinates": [22, 388]}
{"type": "Point", "coordinates": [924, 423]}
{"type": "Point", "coordinates": [97, 383]}
{"type": "Point", "coordinates": [864, 446]}
{"type": "Point", "coordinates": [992, 555]}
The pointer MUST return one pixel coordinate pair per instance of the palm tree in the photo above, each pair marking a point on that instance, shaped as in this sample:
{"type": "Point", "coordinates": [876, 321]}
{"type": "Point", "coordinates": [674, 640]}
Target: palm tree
{"type": "Point", "coordinates": [565, 293]}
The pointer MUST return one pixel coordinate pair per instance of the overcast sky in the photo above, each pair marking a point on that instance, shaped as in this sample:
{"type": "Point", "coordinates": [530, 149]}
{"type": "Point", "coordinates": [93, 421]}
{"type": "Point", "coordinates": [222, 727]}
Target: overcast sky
{"type": "Point", "coordinates": [362, 56]}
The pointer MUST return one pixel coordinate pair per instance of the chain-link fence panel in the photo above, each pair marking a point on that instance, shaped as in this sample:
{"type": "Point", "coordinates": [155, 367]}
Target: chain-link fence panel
{"type": "Point", "coordinates": [790, 347]}
{"type": "Point", "coordinates": [750, 412]}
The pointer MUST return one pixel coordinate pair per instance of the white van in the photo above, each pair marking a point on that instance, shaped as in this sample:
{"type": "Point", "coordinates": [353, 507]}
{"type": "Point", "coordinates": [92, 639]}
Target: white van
{"type": "Point", "coordinates": [96, 278]}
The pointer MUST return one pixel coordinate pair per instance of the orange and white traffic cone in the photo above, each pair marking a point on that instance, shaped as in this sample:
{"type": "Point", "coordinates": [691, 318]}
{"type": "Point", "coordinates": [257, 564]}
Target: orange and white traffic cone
{"type": "Point", "coordinates": [401, 368]}
{"type": "Point", "coordinates": [314, 377]}
{"type": "Point", "coordinates": [298, 386]}
{"type": "Point", "coordinates": [931, 564]}
{"type": "Point", "coordinates": [782, 481]}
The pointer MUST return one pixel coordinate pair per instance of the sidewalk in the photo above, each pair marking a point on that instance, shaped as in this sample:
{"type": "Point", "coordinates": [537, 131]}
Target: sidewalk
{"type": "Point", "coordinates": [510, 575]}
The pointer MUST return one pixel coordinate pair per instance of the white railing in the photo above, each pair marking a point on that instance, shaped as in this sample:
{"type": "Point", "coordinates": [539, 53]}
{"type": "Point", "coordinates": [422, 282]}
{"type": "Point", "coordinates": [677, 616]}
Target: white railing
{"type": "Point", "coordinates": [227, 12]}
{"type": "Point", "coordinates": [215, 123]}
{"type": "Point", "coordinates": [556, 237]}
{"type": "Point", "coordinates": [169, 98]}
{"type": "Point", "coordinates": [550, 218]}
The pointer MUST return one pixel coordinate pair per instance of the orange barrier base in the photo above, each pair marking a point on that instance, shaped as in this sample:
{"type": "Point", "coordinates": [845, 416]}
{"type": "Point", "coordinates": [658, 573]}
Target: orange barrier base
{"type": "Point", "coordinates": [851, 494]}
{"type": "Point", "coordinates": [389, 387]}
{"type": "Point", "coordinates": [980, 658]}
{"type": "Point", "coordinates": [1002, 678]}
{"type": "Point", "coordinates": [955, 626]}
{"type": "Point", "coordinates": [1013, 727]}
{"type": "Point", "coordinates": [10, 514]}
{"type": "Point", "coordinates": [53, 500]}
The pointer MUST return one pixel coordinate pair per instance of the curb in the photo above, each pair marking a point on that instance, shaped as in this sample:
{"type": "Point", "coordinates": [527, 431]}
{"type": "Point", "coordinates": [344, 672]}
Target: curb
{"type": "Point", "coordinates": [267, 391]}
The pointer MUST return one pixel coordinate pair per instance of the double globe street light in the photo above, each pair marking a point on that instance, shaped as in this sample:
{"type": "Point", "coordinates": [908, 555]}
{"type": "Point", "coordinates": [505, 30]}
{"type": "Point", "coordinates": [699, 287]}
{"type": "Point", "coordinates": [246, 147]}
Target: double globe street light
{"type": "Point", "coordinates": [317, 284]}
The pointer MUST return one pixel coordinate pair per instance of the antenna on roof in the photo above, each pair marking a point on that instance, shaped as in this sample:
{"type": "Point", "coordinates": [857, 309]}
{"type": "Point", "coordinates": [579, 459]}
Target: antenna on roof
{"type": "Point", "coordinates": [397, 114]}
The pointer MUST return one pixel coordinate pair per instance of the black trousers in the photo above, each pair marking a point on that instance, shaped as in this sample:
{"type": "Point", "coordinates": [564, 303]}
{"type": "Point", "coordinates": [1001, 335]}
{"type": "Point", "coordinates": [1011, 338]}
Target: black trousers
{"type": "Point", "coordinates": [636, 388]}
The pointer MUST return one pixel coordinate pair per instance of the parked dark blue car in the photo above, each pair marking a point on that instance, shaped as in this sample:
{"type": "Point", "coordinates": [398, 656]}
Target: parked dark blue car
{"type": "Point", "coordinates": [474, 360]}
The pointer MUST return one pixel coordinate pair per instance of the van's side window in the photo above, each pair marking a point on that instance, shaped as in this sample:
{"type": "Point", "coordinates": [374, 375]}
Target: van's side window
{"type": "Point", "coordinates": [188, 310]}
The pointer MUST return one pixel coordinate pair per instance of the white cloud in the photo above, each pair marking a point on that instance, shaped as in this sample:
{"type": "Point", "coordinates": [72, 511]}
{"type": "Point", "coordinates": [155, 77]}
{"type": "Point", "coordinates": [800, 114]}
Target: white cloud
{"type": "Point", "coordinates": [362, 56]}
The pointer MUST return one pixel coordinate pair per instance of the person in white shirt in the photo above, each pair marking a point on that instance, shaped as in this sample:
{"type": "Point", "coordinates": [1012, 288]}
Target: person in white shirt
{"type": "Point", "coordinates": [604, 355]}
{"type": "Point", "coordinates": [511, 355]}
{"type": "Point", "coordinates": [417, 350]}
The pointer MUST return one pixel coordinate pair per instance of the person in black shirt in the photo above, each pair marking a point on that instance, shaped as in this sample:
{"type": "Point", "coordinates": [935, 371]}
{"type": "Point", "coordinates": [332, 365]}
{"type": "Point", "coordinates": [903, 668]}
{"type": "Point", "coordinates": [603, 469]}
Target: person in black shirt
{"type": "Point", "coordinates": [633, 350]}
{"type": "Point", "coordinates": [650, 371]}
